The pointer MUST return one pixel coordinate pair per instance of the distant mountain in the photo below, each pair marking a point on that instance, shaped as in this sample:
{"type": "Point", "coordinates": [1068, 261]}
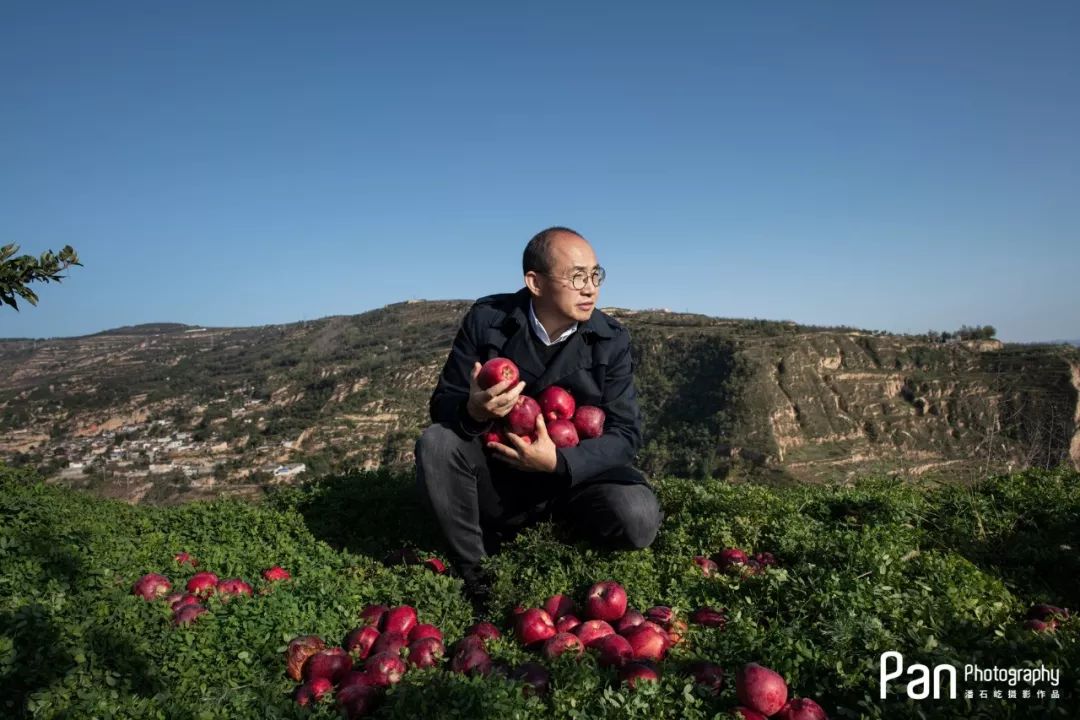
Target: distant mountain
{"type": "Point", "coordinates": [165, 410]}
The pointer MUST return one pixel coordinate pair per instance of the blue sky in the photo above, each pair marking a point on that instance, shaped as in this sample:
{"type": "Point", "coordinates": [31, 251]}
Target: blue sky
{"type": "Point", "coordinates": [899, 166]}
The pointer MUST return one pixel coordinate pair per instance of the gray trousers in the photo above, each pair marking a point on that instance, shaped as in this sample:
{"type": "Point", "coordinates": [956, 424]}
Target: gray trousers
{"type": "Point", "coordinates": [478, 501]}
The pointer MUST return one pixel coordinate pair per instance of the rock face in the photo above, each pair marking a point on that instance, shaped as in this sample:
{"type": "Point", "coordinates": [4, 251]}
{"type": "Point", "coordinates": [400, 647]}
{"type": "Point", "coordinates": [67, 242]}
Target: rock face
{"type": "Point", "coordinates": [842, 400]}
{"type": "Point", "coordinates": [718, 397]}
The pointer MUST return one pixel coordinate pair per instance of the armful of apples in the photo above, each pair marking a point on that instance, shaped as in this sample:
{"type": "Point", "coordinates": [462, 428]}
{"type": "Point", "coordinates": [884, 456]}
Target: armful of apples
{"type": "Point", "coordinates": [495, 402]}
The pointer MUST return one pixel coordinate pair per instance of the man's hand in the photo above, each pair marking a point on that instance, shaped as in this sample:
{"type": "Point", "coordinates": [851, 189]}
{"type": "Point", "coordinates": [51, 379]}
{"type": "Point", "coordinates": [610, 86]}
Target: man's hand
{"type": "Point", "coordinates": [493, 403]}
{"type": "Point", "coordinates": [536, 457]}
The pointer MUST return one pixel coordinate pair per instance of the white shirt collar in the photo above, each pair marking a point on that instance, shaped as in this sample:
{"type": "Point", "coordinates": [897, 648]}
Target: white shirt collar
{"type": "Point", "coordinates": [542, 333]}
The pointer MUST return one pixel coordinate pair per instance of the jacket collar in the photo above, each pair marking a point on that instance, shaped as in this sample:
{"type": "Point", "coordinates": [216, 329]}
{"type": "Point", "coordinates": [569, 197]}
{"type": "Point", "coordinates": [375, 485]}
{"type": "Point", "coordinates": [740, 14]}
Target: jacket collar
{"type": "Point", "coordinates": [519, 346]}
{"type": "Point", "coordinates": [519, 315]}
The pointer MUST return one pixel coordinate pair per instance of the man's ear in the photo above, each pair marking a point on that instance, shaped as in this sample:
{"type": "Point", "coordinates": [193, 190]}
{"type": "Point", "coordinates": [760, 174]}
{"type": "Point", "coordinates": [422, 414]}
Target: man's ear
{"type": "Point", "coordinates": [532, 281]}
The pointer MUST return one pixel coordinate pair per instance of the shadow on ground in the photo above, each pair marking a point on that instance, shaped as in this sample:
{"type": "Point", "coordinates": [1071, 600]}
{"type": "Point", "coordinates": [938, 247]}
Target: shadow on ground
{"type": "Point", "coordinates": [368, 513]}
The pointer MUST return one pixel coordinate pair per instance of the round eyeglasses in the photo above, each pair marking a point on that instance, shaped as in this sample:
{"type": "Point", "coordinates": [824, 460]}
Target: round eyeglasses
{"type": "Point", "coordinates": [580, 278]}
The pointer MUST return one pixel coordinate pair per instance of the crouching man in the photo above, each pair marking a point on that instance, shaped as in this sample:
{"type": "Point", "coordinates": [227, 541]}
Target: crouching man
{"type": "Point", "coordinates": [481, 492]}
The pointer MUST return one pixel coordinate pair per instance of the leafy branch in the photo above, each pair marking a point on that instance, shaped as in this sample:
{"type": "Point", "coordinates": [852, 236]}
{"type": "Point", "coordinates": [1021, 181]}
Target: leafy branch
{"type": "Point", "coordinates": [16, 273]}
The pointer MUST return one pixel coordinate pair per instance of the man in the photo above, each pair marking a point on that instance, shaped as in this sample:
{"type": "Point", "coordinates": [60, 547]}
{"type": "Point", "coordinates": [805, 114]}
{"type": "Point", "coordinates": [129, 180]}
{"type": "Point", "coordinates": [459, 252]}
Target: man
{"type": "Point", "coordinates": [481, 495]}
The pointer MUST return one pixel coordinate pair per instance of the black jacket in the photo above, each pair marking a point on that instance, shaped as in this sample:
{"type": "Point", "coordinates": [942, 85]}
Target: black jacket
{"type": "Point", "coordinates": [595, 367]}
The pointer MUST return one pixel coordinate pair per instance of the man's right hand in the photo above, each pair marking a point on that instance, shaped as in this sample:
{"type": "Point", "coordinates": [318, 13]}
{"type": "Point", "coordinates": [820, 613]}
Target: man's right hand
{"type": "Point", "coordinates": [493, 403]}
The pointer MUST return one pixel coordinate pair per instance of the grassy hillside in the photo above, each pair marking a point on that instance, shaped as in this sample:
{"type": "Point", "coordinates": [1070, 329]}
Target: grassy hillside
{"type": "Point", "coordinates": [942, 575]}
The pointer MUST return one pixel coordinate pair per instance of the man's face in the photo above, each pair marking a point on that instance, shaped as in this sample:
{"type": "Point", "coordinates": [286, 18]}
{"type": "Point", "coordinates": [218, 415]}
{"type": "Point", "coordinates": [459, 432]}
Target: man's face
{"type": "Point", "coordinates": [569, 255]}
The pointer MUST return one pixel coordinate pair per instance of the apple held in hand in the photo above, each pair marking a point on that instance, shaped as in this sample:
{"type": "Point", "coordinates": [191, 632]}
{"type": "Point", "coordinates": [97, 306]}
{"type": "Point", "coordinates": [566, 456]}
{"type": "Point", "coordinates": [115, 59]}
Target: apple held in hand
{"type": "Point", "coordinates": [497, 370]}
{"type": "Point", "coordinates": [589, 421]}
{"type": "Point", "coordinates": [556, 404]}
{"type": "Point", "coordinates": [563, 433]}
{"type": "Point", "coordinates": [521, 420]}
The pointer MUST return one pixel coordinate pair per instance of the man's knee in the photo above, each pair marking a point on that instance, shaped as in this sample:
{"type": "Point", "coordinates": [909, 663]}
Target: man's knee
{"type": "Point", "coordinates": [638, 511]}
{"type": "Point", "coordinates": [437, 444]}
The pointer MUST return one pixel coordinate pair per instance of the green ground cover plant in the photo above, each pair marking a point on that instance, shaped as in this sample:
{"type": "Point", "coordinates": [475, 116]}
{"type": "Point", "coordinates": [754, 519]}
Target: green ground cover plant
{"type": "Point", "coordinates": [943, 575]}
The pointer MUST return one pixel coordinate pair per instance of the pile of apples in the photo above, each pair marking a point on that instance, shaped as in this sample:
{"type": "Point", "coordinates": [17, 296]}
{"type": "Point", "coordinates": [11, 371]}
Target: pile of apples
{"type": "Point", "coordinates": [187, 606]}
{"type": "Point", "coordinates": [567, 424]}
{"type": "Point", "coordinates": [388, 643]}
{"type": "Point", "coordinates": [373, 656]}
{"type": "Point", "coordinates": [626, 639]}
{"type": "Point", "coordinates": [732, 560]}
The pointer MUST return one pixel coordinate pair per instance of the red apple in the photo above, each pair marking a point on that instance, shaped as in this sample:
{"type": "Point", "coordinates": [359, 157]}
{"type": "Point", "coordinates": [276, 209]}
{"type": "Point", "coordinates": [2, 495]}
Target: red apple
{"type": "Point", "coordinates": [563, 433]}
{"type": "Point", "coordinates": [613, 650]}
{"type": "Point", "coordinates": [469, 642]}
{"type": "Point", "coordinates": [648, 642]}
{"type": "Point", "coordinates": [556, 404]}
{"type": "Point", "coordinates": [558, 605]}
{"type": "Point", "coordinates": [331, 663]}
{"type": "Point", "coordinates": [1042, 611]}
{"type": "Point", "coordinates": [606, 601]}
{"type": "Point", "coordinates": [636, 672]}
{"type": "Point", "coordinates": [373, 615]}
{"type": "Point", "coordinates": [484, 630]}
{"type": "Point", "coordinates": [186, 614]}
{"type": "Point", "coordinates": [589, 421]}
{"type": "Point", "coordinates": [187, 599]}
{"type": "Point", "coordinates": [729, 559]}
{"type": "Point", "coordinates": [567, 623]}
{"type": "Point", "coordinates": [801, 709]}
{"type": "Point", "coordinates": [400, 619]}
{"type": "Point", "coordinates": [497, 370]}
{"type": "Point", "coordinates": [384, 668]}
{"type": "Point", "coordinates": [151, 586]}
{"type": "Point", "coordinates": [435, 565]}
{"type": "Point", "coordinates": [356, 677]}
{"type": "Point", "coordinates": [358, 701]}
{"type": "Point", "coordinates": [561, 644]}
{"type": "Point", "coordinates": [389, 642]}
{"type": "Point", "coordinates": [492, 436]}
{"type": "Point", "coordinates": [312, 691]}
{"type": "Point", "coordinates": [765, 559]}
{"type": "Point", "coordinates": [533, 626]}
{"type": "Point", "coordinates": [183, 558]}
{"type": "Point", "coordinates": [662, 615]}
{"type": "Point", "coordinates": [470, 658]}
{"type": "Point", "coordinates": [708, 567]}
{"type": "Point", "coordinates": [233, 586]}
{"type": "Point", "coordinates": [202, 583]}
{"type": "Point", "coordinates": [592, 630]}
{"type": "Point", "coordinates": [1041, 625]}
{"type": "Point", "coordinates": [631, 619]}
{"type": "Point", "coordinates": [359, 641]}
{"type": "Point", "coordinates": [709, 617]}
{"type": "Point", "coordinates": [426, 652]}
{"type": "Point", "coordinates": [425, 630]}
{"type": "Point", "coordinates": [521, 420]}
{"type": "Point", "coordinates": [299, 650]}
{"type": "Point", "coordinates": [535, 676]}
{"type": "Point", "coordinates": [760, 688]}
{"type": "Point", "coordinates": [708, 675]}
{"type": "Point", "coordinates": [276, 573]}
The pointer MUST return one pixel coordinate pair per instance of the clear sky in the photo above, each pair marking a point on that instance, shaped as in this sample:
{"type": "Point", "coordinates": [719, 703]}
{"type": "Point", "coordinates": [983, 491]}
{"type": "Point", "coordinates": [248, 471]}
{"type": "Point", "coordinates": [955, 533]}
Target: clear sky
{"type": "Point", "coordinates": [896, 166]}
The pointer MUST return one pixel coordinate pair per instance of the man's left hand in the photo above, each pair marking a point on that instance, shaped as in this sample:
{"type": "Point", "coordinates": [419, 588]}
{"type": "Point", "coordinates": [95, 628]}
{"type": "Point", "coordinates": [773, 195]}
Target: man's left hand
{"type": "Point", "coordinates": [538, 456]}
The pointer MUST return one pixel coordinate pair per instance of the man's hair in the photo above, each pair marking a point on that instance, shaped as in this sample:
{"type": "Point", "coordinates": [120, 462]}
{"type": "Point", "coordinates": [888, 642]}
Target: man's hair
{"type": "Point", "coordinates": [537, 255]}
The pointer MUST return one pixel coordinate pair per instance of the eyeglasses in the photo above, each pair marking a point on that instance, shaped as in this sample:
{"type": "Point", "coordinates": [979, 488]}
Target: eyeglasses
{"type": "Point", "coordinates": [580, 278]}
